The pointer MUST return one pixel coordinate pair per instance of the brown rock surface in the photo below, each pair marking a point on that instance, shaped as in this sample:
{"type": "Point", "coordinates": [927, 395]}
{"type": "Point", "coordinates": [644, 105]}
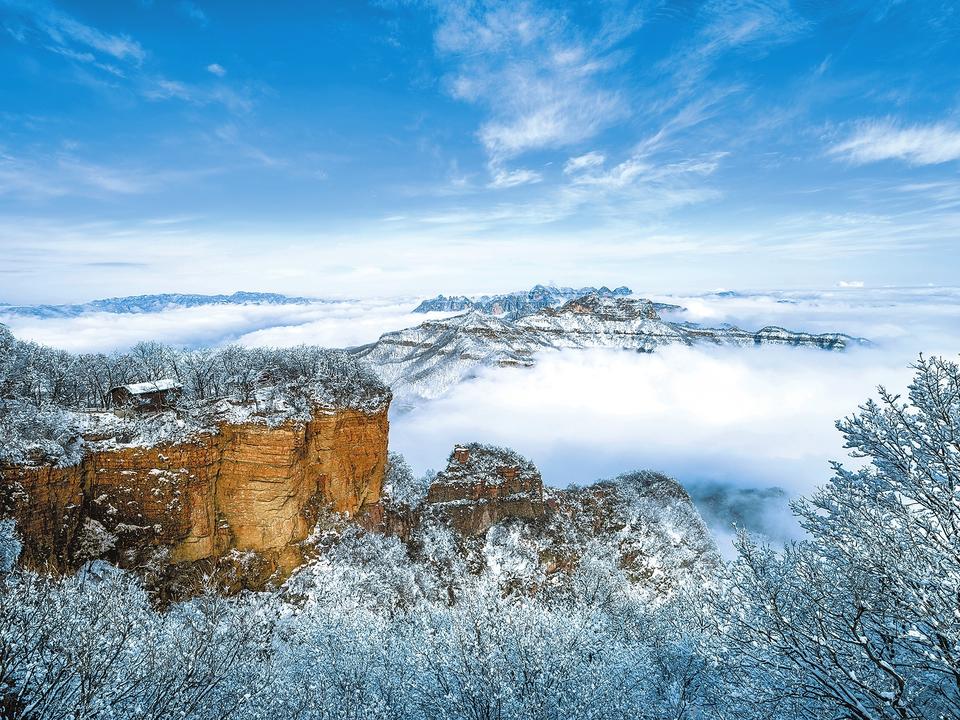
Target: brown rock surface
{"type": "Point", "coordinates": [248, 488]}
{"type": "Point", "coordinates": [483, 485]}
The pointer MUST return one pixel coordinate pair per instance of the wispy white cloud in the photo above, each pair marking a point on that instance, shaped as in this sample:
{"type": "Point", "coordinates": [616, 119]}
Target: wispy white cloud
{"type": "Point", "coordinates": [584, 162]}
{"type": "Point", "coordinates": [540, 83]}
{"type": "Point", "coordinates": [65, 30]}
{"type": "Point", "coordinates": [65, 175]}
{"type": "Point", "coordinates": [504, 178]}
{"type": "Point", "coordinates": [119, 55]}
{"type": "Point", "coordinates": [161, 88]}
{"type": "Point", "coordinates": [165, 89]}
{"type": "Point", "coordinates": [231, 135]}
{"type": "Point", "coordinates": [87, 58]}
{"type": "Point", "coordinates": [724, 27]}
{"type": "Point", "coordinates": [876, 140]}
{"type": "Point", "coordinates": [644, 185]}
{"type": "Point", "coordinates": [642, 171]}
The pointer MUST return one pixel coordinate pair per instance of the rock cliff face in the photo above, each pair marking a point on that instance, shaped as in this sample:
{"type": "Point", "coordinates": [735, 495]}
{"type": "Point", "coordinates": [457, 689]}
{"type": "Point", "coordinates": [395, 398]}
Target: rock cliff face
{"type": "Point", "coordinates": [244, 489]}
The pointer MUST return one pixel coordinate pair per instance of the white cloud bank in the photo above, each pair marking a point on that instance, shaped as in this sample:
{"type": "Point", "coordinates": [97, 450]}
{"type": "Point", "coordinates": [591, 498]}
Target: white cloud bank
{"type": "Point", "coordinates": [332, 324]}
{"type": "Point", "coordinates": [740, 418]}
{"type": "Point", "coordinates": [748, 417]}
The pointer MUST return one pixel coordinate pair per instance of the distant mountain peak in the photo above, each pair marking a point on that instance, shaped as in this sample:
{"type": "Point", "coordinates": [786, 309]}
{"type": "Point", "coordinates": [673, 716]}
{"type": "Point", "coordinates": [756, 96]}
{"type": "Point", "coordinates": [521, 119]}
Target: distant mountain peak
{"type": "Point", "coordinates": [152, 303]}
{"type": "Point", "coordinates": [519, 303]}
{"type": "Point", "coordinates": [610, 307]}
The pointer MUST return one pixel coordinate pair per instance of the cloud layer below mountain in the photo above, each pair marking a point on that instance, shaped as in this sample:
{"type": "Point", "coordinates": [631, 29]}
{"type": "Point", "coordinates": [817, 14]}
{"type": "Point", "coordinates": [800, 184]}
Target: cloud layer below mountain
{"type": "Point", "coordinates": [730, 423]}
{"type": "Point", "coordinates": [330, 324]}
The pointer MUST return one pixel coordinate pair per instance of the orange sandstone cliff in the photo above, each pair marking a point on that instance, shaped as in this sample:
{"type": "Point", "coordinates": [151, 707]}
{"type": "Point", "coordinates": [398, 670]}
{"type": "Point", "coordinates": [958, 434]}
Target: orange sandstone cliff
{"type": "Point", "coordinates": [244, 491]}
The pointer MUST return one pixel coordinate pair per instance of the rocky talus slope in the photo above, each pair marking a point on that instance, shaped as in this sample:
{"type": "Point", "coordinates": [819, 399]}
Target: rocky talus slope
{"type": "Point", "coordinates": [428, 360]}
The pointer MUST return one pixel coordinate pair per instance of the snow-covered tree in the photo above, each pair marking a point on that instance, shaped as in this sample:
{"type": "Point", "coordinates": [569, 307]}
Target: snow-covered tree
{"type": "Point", "coordinates": [863, 619]}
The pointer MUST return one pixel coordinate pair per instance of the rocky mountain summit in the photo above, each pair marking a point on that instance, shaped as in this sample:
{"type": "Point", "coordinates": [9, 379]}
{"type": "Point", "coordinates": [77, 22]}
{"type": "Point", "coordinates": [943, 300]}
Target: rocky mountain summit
{"type": "Point", "coordinates": [428, 360]}
{"type": "Point", "coordinates": [483, 484]}
{"type": "Point", "coordinates": [516, 304]}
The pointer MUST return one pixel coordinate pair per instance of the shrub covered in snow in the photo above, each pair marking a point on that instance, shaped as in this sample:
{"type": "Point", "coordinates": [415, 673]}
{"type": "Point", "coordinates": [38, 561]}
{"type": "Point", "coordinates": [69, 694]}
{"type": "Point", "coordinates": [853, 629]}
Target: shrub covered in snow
{"type": "Point", "coordinates": [400, 485]}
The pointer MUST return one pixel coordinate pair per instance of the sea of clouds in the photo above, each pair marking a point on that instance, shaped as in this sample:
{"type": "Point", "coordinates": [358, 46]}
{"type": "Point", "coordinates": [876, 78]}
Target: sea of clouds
{"type": "Point", "coordinates": [733, 424]}
{"type": "Point", "coordinates": [340, 323]}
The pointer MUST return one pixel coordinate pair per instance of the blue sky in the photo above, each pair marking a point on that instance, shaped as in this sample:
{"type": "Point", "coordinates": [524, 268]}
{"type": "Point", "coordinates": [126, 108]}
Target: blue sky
{"type": "Point", "coordinates": [372, 148]}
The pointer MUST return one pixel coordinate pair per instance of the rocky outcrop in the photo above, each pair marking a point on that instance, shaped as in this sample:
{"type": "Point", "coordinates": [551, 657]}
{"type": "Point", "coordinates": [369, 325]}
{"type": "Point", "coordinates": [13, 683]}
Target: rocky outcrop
{"type": "Point", "coordinates": [483, 485]}
{"type": "Point", "coordinates": [489, 495]}
{"type": "Point", "coordinates": [240, 489]}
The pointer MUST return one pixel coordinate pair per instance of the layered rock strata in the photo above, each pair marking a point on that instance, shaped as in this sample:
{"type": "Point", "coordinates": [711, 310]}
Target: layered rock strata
{"type": "Point", "coordinates": [482, 485]}
{"type": "Point", "coordinates": [237, 489]}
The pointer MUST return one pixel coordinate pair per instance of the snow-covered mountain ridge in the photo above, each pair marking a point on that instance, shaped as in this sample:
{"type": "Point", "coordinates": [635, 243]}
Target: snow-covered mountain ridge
{"type": "Point", "coordinates": [151, 303]}
{"type": "Point", "coordinates": [426, 361]}
{"type": "Point", "coordinates": [504, 520]}
{"type": "Point", "coordinates": [516, 304]}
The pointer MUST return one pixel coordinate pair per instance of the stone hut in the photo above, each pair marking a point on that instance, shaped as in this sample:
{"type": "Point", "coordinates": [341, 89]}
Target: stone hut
{"type": "Point", "coordinates": [152, 396]}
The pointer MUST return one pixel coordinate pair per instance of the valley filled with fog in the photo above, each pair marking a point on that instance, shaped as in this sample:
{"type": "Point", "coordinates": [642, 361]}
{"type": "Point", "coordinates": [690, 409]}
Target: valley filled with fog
{"type": "Point", "coordinates": [743, 428]}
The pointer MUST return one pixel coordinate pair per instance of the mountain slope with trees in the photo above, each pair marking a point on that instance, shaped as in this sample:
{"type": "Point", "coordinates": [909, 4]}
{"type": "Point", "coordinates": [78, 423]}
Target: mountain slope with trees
{"type": "Point", "coordinates": [860, 620]}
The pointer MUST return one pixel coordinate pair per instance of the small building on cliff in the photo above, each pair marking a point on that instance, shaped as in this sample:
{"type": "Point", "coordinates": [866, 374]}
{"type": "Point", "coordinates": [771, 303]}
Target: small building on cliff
{"type": "Point", "coordinates": [152, 396]}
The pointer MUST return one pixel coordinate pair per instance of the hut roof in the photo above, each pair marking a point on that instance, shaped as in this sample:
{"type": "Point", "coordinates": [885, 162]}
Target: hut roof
{"type": "Point", "coordinates": [146, 388]}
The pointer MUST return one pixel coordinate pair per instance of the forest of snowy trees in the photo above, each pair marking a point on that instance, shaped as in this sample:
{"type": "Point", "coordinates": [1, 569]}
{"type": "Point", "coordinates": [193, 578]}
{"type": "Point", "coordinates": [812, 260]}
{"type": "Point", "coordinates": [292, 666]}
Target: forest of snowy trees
{"type": "Point", "coordinates": [42, 387]}
{"type": "Point", "coordinates": [860, 620]}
